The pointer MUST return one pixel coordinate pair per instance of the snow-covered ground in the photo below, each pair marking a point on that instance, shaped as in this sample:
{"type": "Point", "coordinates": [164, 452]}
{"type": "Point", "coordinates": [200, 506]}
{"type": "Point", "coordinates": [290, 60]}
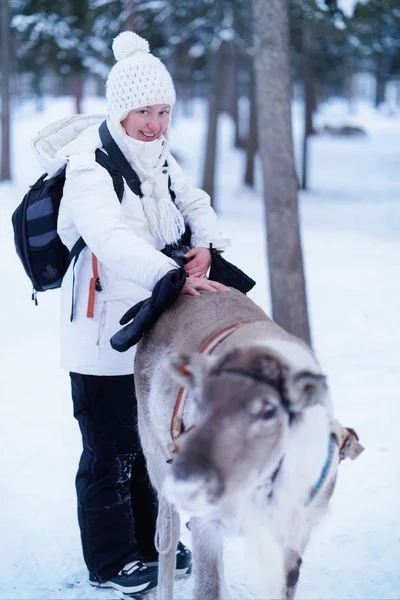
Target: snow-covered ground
{"type": "Point", "coordinates": [350, 230]}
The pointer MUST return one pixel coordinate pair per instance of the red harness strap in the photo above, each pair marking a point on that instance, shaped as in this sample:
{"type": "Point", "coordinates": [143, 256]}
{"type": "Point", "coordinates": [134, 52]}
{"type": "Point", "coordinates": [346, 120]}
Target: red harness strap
{"type": "Point", "coordinates": [177, 427]}
{"type": "Point", "coordinates": [92, 287]}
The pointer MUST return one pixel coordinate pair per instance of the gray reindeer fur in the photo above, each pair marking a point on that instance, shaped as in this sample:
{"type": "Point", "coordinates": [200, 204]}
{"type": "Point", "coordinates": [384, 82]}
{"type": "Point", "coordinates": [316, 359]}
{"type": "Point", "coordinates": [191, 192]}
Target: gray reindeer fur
{"type": "Point", "coordinates": [262, 419]}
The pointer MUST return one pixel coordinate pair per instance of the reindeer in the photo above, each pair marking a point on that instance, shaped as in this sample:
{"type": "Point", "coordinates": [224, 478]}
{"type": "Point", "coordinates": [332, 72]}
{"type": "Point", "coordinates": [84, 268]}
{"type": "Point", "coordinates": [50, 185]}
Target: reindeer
{"type": "Point", "coordinates": [237, 428]}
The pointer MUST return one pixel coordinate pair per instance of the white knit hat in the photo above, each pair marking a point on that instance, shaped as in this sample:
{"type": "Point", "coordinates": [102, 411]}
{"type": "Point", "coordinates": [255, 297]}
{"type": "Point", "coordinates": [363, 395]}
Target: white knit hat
{"type": "Point", "coordinates": [137, 79]}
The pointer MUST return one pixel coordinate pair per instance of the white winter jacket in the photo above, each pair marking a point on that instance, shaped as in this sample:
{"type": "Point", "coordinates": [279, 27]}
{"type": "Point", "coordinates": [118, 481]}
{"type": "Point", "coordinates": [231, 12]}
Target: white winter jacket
{"type": "Point", "coordinates": [129, 257]}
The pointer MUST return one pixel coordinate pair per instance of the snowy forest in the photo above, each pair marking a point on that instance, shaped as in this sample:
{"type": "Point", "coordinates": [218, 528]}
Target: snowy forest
{"type": "Point", "coordinates": [335, 49]}
{"type": "Point", "coordinates": [288, 116]}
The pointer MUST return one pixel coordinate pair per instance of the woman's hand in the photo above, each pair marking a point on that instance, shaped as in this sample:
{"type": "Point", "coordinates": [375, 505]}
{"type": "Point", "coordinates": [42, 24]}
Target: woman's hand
{"type": "Point", "coordinates": [194, 285]}
{"type": "Point", "coordinates": [199, 263]}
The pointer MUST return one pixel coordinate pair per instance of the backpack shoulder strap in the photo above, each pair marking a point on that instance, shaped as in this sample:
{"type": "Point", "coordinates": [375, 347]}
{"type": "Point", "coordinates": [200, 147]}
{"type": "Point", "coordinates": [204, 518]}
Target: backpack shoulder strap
{"type": "Point", "coordinates": [118, 183]}
{"type": "Point", "coordinates": [119, 160]}
{"type": "Point", "coordinates": [105, 161]}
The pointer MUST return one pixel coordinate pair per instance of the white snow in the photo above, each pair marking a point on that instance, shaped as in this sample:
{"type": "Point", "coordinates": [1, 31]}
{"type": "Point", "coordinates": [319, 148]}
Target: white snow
{"type": "Point", "coordinates": [348, 6]}
{"type": "Point", "coordinates": [350, 231]}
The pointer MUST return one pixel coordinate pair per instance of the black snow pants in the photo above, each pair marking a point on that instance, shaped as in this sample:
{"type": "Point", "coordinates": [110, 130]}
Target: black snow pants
{"type": "Point", "coordinates": [117, 505]}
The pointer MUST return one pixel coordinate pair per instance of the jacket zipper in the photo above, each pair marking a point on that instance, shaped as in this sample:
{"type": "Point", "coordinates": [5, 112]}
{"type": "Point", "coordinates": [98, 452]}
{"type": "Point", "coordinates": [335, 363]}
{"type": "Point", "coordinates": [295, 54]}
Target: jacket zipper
{"type": "Point", "coordinates": [101, 324]}
{"type": "Point", "coordinates": [26, 250]}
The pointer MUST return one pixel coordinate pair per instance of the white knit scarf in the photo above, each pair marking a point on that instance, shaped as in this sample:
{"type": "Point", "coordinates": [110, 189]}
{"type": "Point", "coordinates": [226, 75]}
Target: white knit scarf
{"type": "Point", "coordinates": [165, 220]}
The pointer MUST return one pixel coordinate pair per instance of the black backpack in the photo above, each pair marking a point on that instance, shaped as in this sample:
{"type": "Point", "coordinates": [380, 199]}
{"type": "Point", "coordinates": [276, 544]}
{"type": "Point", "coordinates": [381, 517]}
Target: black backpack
{"type": "Point", "coordinates": [43, 255]}
{"type": "Point", "coordinates": [38, 245]}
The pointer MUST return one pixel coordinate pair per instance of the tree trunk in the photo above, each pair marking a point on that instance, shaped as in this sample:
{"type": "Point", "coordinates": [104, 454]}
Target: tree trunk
{"type": "Point", "coordinates": [214, 105]}
{"type": "Point", "coordinates": [37, 89]}
{"type": "Point", "coordinates": [185, 95]}
{"type": "Point", "coordinates": [5, 168]}
{"type": "Point", "coordinates": [185, 88]}
{"type": "Point", "coordinates": [252, 135]}
{"type": "Point", "coordinates": [309, 102]}
{"type": "Point", "coordinates": [349, 70]}
{"type": "Point", "coordinates": [273, 95]}
{"type": "Point", "coordinates": [233, 91]}
{"type": "Point", "coordinates": [380, 74]}
{"type": "Point", "coordinates": [130, 23]}
{"type": "Point", "coordinates": [77, 91]}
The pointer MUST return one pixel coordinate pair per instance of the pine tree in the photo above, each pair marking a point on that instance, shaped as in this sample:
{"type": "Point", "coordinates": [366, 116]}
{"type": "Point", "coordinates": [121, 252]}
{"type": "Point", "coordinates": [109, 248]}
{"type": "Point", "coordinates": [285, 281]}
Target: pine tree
{"type": "Point", "coordinates": [376, 29]}
{"type": "Point", "coordinates": [64, 38]}
{"type": "Point", "coordinates": [319, 44]}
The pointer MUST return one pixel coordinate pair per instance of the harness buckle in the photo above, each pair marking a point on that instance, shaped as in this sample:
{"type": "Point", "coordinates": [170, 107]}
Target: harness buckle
{"type": "Point", "coordinates": [350, 447]}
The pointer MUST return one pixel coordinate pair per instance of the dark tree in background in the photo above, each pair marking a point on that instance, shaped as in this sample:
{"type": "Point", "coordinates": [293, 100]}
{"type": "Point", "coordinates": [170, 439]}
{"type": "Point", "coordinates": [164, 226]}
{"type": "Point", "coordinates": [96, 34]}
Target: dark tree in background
{"type": "Point", "coordinates": [309, 100]}
{"type": "Point", "coordinates": [376, 26]}
{"type": "Point", "coordinates": [214, 109]}
{"type": "Point", "coordinates": [252, 137]}
{"type": "Point", "coordinates": [318, 34]}
{"type": "Point", "coordinates": [273, 95]}
{"type": "Point", "coordinates": [5, 42]}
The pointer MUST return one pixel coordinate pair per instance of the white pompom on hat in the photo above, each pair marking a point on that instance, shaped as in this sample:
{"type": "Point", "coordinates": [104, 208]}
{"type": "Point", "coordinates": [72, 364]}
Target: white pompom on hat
{"type": "Point", "coordinates": [137, 79]}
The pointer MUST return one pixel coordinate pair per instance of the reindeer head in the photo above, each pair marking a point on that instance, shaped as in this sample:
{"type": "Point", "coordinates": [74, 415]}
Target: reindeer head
{"type": "Point", "coordinates": [244, 404]}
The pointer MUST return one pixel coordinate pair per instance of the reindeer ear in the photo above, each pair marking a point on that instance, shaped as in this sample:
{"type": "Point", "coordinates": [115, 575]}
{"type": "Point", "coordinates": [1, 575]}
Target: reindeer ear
{"type": "Point", "coordinates": [305, 389]}
{"type": "Point", "coordinates": [189, 369]}
{"type": "Point", "coordinates": [270, 367]}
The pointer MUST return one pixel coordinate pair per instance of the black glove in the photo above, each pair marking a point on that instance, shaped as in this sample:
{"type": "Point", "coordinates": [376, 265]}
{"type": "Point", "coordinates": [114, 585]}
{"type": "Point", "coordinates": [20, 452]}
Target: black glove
{"type": "Point", "coordinates": [225, 272]}
{"type": "Point", "coordinates": [144, 314]}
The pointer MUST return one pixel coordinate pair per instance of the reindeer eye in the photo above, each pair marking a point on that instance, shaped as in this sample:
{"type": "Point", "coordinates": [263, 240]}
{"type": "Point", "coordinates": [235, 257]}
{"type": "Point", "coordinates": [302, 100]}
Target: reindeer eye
{"type": "Point", "coordinates": [263, 410]}
{"type": "Point", "coordinates": [267, 413]}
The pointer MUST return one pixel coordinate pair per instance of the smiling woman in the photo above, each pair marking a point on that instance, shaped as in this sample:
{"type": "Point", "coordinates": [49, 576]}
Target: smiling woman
{"type": "Point", "coordinates": [126, 232]}
{"type": "Point", "coordinates": [148, 122]}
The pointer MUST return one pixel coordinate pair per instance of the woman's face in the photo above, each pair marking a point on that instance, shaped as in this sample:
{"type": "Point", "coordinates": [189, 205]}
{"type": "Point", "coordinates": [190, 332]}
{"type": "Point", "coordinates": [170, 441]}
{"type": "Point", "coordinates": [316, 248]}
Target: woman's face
{"type": "Point", "coordinates": [148, 122]}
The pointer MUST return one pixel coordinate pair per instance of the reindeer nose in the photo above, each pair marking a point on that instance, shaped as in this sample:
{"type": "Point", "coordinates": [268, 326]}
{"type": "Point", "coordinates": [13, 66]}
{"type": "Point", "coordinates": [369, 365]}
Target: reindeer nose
{"type": "Point", "coordinates": [188, 470]}
{"type": "Point", "coordinates": [193, 464]}
{"type": "Point", "coordinates": [199, 473]}
{"type": "Point", "coordinates": [182, 472]}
